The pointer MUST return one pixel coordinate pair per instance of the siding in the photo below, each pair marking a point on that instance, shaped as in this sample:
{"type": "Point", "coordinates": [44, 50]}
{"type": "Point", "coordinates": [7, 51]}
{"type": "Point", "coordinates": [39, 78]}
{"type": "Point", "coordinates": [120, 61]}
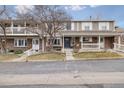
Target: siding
{"type": "Point", "coordinates": [10, 45]}
{"type": "Point", "coordinates": [95, 26]}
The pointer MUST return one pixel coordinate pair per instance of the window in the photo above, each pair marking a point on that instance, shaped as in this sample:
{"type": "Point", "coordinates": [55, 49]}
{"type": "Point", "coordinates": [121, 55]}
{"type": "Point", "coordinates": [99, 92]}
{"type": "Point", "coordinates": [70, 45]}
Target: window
{"type": "Point", "coordinates": [68, 26]}
{"type": "Point", "coordinates": [57, 41]}
{"type": "Point", "coordinates": [20, 43]}
{"type": "Point", "coordinates": [87, 28]}
{"type": "Point", "coordinates": [87, 39]}
{"type": "Point", "coordinates": [104, 28]}
{"type": "Point", "coordinates": [86, 25]}
{"type": "Point", "coordinates": [15, 25]}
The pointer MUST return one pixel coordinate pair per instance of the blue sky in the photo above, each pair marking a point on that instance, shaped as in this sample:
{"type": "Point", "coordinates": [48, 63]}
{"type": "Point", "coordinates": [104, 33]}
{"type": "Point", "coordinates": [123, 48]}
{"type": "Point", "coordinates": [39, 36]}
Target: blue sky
{"type": "Point", "coordinates": [114, 12]}
{"type": "Point", "coordinates": [81, 12]}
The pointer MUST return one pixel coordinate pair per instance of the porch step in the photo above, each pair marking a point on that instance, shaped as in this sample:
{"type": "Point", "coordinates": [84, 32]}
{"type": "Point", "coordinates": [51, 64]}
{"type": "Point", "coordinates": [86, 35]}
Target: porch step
{"type": "Point", "coordinates": [31, 52]}
{"type": "Point", "coordinates": [69, 55]}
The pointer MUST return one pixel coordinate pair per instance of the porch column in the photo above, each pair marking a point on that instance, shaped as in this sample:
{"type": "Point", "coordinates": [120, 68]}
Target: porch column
{"type": "Point", "coordinates": [43, 44]}
{"type": "Point", "coordinates": [63, 43]}
{"type": "Point", "coordinates": [25, 26]}
{"type": "Point", "coordinates": [81, 40]}
{"type": "Point", "coordinates": [12, 27]}
{"type": "Point", "coordinates": [99, 42]}
{"type": "Point", "coordinates": [119, 41]}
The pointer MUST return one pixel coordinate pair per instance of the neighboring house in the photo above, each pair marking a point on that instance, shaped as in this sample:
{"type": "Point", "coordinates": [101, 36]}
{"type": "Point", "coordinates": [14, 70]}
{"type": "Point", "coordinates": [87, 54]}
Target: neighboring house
{"type": "Point", "coordinates": [83, 35]}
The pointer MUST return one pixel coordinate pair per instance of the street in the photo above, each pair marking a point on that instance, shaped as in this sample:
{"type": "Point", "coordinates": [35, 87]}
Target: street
{"type": "Point", "coordinates": [78, 74]}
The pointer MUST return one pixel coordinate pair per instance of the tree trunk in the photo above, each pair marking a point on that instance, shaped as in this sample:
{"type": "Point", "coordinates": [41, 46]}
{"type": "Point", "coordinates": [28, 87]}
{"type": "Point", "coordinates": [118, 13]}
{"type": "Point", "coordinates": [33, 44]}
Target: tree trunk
{"type": "Point", "coordinates": [51, 43]}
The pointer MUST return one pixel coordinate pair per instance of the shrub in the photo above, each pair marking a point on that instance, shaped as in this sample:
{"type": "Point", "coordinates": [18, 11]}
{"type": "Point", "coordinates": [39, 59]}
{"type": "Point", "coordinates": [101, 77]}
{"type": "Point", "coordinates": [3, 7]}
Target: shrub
{"type": "Point", "coordinates": [18, 52]}
{"type": "Point", "coordinates": [11, 51]}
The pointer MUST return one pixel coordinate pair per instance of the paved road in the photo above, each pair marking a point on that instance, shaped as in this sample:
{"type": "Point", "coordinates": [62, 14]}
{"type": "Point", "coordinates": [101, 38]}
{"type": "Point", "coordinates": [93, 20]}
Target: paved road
{"type": "Point", "coordinates": [10, 72]}
{"type": "Point", "coordinates": [66, 86]}
{"type": "Point", "coordinates": [60, 67]}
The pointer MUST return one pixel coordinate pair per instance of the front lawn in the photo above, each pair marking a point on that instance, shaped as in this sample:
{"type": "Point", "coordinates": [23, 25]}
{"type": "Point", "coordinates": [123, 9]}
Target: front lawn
{"type": "Point", "coordinates": [47, 56]}
{"type": "Point", "coordinates": [96, 55]}
{"type": "Point", "coordinates": [7, 57]}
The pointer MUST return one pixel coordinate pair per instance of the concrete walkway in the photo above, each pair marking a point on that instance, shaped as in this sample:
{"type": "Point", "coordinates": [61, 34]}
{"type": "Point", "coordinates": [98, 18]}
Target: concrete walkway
{"type": "Point", "coordinates": [22, 58]}
{"type": "Point", "coordinates": [63, 78]}
{"type": "Point", "coordinates": [69, 55]}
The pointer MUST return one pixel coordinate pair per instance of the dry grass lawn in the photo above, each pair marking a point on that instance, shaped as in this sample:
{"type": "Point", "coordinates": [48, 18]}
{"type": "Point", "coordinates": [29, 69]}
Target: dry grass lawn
{"type": "Point", "coordinates": [96, 55]}
{"type": "Point", "coordinates": [47, 56]}
{"type": "Point", "coordinates": [4, 57]}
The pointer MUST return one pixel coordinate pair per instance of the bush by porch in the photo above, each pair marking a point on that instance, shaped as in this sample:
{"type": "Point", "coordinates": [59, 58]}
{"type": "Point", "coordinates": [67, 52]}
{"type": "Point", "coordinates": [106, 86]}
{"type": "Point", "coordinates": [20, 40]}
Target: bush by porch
{"type": "Point", "coordinates": [98, 55]}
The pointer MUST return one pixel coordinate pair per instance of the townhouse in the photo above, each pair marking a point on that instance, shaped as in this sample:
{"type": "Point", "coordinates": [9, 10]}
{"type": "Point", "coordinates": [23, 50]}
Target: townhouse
{"type": "Point", "coordinates": [84, 35]}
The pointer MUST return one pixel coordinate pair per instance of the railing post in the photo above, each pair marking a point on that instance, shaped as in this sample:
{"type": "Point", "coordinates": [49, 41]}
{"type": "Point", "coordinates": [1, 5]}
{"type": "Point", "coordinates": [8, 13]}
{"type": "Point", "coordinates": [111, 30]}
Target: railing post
{"type": "Point", "coordinates": [25, 27]}
{"type": "Point", "coordinates": [63, 44]}
{"type": "Point", "coordinates": [115, 46]}
{"type": "Point", "coordinates": [43, 49]}
{"type": "Point", "coordinates": [99, 42]}
{"type": "Point", "coordinates": [119, 42]}
{"type": "Point", "coordinates": [12, 27]}
{"type": "Point", "coordinates": [81, 40]}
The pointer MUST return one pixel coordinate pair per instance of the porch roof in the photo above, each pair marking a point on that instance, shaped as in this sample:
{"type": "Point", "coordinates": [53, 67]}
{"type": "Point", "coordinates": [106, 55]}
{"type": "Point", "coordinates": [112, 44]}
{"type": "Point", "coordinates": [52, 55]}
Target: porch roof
{"type": "Point", "coordinates": [91, 33]}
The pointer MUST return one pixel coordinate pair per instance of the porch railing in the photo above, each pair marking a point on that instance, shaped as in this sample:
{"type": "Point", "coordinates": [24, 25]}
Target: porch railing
{"type": "Point", "coordinates": [90, 46]}
{"type": "Point", "coordinates": [16, 30]}
{"type": "Point", "coordinates": [119, 46]}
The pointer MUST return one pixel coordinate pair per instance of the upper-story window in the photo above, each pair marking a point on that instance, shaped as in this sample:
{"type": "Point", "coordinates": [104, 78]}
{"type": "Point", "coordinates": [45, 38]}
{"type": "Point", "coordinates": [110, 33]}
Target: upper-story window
{"type": "Point", "coordinates": [104, 26]}
{"type": "Point", "coordinates": [87, 26]}
{"type": "Point", "coordinates": [68, 26]}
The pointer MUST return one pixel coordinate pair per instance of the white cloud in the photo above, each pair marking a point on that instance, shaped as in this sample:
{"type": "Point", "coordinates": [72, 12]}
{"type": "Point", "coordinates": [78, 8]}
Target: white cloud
{"type": "Point", "coordinates": [93, 6]}
{"type": "Point", "coordinates": [23, 8]}
{"type": "Point", "coordinates": [75, 7]}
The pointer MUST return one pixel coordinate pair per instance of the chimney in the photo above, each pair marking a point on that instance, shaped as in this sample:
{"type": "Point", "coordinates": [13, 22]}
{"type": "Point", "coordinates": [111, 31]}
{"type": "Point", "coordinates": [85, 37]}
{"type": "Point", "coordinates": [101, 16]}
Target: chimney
{"type": "Point", "coordinates": [90, 17]}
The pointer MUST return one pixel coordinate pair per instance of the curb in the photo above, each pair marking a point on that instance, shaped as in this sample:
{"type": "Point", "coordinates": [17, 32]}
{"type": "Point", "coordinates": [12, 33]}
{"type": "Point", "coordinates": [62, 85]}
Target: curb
{"type": "Point", "coordinates": [83, 59]}
{"type": "Point", "coordinates": [86, 59]}
{"type": "Point", "coordinates": [32, 61]}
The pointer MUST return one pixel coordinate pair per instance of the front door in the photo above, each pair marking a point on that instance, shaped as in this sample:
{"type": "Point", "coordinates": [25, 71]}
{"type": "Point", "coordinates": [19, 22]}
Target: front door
{"type": "Point", "coordinates": [35, 44]}
{"type": "Point", "coordinates": [67, 42]}
{"type": "Point", "coordinates": [109, 42]}
{"type": "Point", "coordinates": [102, 42]}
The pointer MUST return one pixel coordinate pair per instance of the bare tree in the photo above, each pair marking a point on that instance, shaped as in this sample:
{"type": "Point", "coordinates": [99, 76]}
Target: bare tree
{"type": "Point", "coordinates": [4, 15]}
{"type": "Point", "coordinates": [3, 30]}
{"type": "Point", "coordinates": [50, 20]}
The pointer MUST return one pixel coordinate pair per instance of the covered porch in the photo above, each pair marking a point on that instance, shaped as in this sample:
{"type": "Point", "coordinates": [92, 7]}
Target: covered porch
{"type": "Point", "coordinates": [88, 43]}
{"type": "Point", "coordinates": [87, 40]}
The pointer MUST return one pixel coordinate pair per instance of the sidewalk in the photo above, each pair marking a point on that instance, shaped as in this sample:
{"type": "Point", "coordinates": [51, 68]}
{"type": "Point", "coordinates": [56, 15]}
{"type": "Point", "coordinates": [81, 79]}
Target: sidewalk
{"type": "Point", "coordinates": [63, 78]}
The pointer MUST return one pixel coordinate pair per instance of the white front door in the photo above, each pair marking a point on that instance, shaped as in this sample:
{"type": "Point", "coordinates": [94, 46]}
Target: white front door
{"type": "Point", "coordinates": [35, 44]}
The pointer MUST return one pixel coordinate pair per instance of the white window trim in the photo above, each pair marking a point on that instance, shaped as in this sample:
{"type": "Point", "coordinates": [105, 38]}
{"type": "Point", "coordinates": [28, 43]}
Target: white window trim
{"type": "Point", "coordinates": [88, 28]}
{"type": "Point", "coordinates": [17, 41]}
{"type": "Point", "coordinates": [101, 24]}
{"type": "Point", "coordinates": [84, 24]}
{"type": "Point", "coordinates": [72, 26]}
{"type": "Point", "coordinates": [58, 44]}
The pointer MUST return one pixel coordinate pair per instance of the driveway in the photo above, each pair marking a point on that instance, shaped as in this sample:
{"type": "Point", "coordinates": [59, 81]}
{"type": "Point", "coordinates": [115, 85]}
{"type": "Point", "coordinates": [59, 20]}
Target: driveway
{"type": "Point", "coordinates": [93, 73]}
